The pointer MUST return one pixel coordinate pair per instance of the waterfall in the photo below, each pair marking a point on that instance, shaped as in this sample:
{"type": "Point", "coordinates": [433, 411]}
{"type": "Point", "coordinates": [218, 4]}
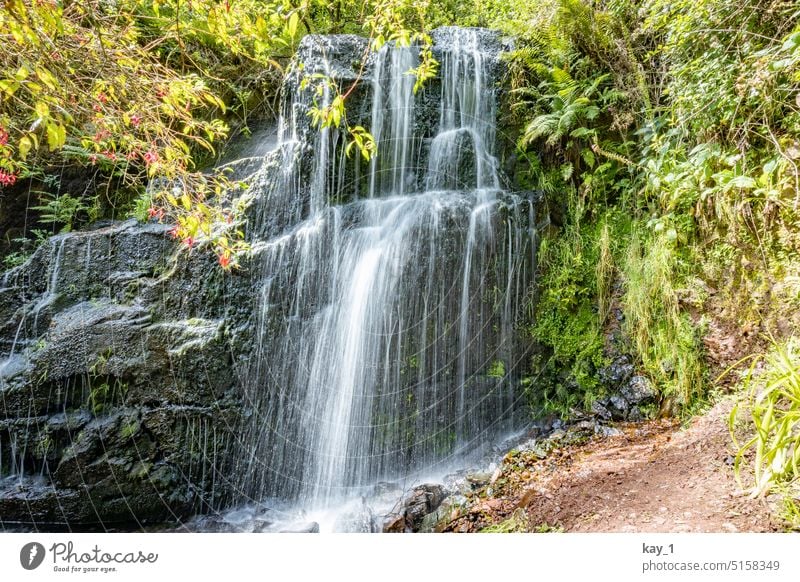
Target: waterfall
{"type": "Point", "coordinates": [386, 292]}
{"type": "Point", "coordinates": [392, 122]}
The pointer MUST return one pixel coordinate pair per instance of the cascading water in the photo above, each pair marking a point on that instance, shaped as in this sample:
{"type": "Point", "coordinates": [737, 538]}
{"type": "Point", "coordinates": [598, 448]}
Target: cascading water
{"type": "Point", "coordinates": [387, 291]}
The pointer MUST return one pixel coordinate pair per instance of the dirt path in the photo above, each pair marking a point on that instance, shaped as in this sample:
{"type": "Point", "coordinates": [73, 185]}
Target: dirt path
{"type": "Point", "coordinates": [654, 477]}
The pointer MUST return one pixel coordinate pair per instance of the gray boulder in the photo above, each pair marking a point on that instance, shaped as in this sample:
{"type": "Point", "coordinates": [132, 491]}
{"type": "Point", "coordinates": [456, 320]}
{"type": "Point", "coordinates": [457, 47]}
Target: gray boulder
{"type": "Point", "coordinates": [639, 390]}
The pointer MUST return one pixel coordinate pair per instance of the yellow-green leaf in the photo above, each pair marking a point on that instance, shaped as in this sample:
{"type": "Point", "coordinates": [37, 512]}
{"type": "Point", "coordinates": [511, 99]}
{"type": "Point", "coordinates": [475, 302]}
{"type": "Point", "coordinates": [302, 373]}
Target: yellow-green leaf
{"type": "Point", "coordinates": [47, 78]}
{"type": "Point", "coordinates": [42, 109]}
{"type": "Point", "coordinates": [294, 19]}
{"type": "Point", "coordinates": [56, 136]}
{"type": "Point", "coordinates": [25, 145]}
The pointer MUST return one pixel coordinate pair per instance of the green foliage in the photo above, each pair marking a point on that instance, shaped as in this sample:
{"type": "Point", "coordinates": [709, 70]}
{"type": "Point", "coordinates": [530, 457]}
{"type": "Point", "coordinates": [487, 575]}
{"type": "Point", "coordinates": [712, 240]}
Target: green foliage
{"type": "Point", "coordinates": [772, 397]}
{"type": "Point", "coordinates": [576, 269]}
{"type": "Point", "coordinates": [60, 209]}
{"type": "Point", "coordinates": [140, 208]}
{"type": "Point", "coordinates": [497, 369]}
{"type": "Point", "coordinates": [132, 89]}
{"type": "Point", "coordinates": [517, 523]}
{"type": "Point", "coordinates": [26, 247]}
{"type": "Point", "coordinates": [105, 392]}
{"type": "Point", "coordinates": [665, 339]}
{"type": "Point", "coordinates": [681, 115]}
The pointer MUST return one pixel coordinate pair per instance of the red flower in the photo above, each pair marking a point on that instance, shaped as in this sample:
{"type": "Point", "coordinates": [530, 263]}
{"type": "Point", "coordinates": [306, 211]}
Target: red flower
{"type": "Point", "coordinates": [101, 97]}
{"type": "Point", "coordinates": [173, 232]}
{"type": "Point", "coordinates": [135, 120]}
{"type": "Point", "coordinates": [3, 137]}
{"type": "Point", "coordinates": [189, 242]}
{"type": "Point", "coordinates": [93, 159]}
{"type": "Point", "coordinates": [158, 213]}
{"type": "Point", "coordinates": [7, 178]}
{"type": "Point", "coordinates": [151, 157]}
{"type": "Point", "coordinates": [224, 261]}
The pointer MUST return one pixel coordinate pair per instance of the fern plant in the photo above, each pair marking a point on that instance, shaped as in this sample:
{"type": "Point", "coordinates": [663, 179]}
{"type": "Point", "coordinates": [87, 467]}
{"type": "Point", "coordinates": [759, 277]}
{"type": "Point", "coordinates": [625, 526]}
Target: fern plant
{"type": "Point", "coordinates": [59, 209]}
{"type": "Point", "coordinates": [569, 104]}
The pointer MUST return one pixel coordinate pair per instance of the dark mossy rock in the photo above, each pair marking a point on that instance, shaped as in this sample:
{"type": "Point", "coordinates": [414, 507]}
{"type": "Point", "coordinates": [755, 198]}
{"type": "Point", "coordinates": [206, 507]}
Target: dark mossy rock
{"type": "Point", "coordinates": [117, 379]}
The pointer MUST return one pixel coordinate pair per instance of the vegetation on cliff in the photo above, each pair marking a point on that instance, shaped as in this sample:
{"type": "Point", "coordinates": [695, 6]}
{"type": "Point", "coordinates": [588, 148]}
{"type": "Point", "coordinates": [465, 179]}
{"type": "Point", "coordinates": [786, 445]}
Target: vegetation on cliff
{"type": "Point", "coordinates": [674, 127]}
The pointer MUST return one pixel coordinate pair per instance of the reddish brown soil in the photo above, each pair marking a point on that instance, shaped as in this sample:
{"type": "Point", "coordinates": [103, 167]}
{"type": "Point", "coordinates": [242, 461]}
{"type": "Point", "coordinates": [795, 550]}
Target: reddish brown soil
{"type": "Point", "coordinates": [655, 477]}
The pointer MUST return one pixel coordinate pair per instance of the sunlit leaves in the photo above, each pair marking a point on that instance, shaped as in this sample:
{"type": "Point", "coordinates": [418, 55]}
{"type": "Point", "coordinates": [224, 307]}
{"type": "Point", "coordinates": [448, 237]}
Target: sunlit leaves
{"type": "Point", "coordinates": [333, 114]}
{"type": "Point", "coordinates": [25, 146]}
{"type": "Point", "coordinates": [362, 140]}
{"type": "Point", "coordinates": [192, 205]}
{"type": "Point", "coordinates": [428, 66]}
{"type": "Point", "coordinates": [87, 83]}
{"type": "Point", "coordinates": [773, 400]}
{"type": "Point", "coordinates": [56, 136]}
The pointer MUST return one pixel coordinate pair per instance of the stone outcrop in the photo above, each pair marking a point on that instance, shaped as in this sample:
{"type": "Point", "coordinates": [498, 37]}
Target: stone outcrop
{"type": "Point", "coordinates": [118, 391]}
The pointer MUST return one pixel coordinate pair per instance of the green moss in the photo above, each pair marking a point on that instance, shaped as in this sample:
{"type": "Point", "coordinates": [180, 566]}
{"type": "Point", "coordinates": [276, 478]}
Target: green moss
{"type": "Point", "coordinates": [517, 523]}
{"type": "Point", "coordinates": [572, 309]}
{"type": "Point", "coordinates": [44, 444]}
{"type": "Point", "coordinates": [497, 369]}
{"type": "Point", "coordinates": [129, 429]}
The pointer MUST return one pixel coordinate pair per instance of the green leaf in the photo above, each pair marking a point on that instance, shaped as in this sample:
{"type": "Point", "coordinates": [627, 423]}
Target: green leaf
{"type": "Point", "coordinates": [582, 132]}
{"type": "Point", "coordinates": [25, 145]}
{"type": "Point", "coordinates": [9, 87]}
{"type": "Point", "coordinates": [588, 157]}
{"type": "Point", "coordinates": [743, 182]}
{"type": "Point", "coordinates": [42, 109]}
{"type": "Point", "coordinates": [56, 136]}
{"type": "Point", "coordinates": [294, 19]}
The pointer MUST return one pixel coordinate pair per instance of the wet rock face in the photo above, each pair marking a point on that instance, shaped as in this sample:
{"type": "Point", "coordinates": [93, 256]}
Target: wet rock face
{"type": "Point", "coordinates": [413, 509]}
{"type": "Point", "coordinates": [118, 393]}
{"type": "Point", "coordinates": [618, 372]}
{"type": "Point", "coordinates": [629, 392]}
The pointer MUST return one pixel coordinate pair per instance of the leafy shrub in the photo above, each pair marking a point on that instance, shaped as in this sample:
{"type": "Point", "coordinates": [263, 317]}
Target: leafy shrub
{"type": "Point", "coordinates": [576, 270]}
{"type": "Point", "coordinates": [773, 400]}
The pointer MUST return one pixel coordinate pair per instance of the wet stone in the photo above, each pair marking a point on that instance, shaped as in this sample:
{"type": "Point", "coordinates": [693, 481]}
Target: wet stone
{"type": "Point", "coordinates": [638, 390]}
